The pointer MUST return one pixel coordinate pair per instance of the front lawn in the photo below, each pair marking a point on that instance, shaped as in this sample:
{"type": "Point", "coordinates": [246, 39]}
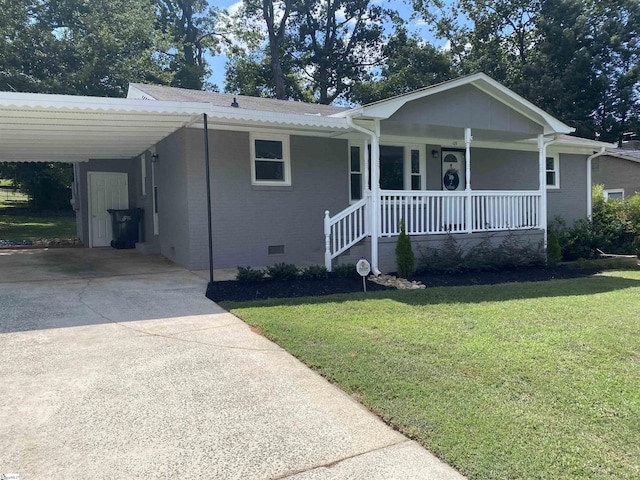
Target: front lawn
{"type": "Point", "coordinates": [519, 381]}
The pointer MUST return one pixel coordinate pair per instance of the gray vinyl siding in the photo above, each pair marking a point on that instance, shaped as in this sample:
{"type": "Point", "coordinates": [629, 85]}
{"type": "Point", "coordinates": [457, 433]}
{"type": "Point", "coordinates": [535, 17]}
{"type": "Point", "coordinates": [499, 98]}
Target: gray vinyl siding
{"type": "Point", "coordinates": [491, 169]}
{"type": "Point", "coordinates": [570, 200]}
{"type": "Point", "coordinates": [115, 166]}
{"type": "Point", "coordinates": [616, 173]}
{"type": "Point", "coordinates": [247, 219]}
{"type": "Point", "coordinates": [464, 107]}
{"type": "Point", "coordinates": [173, 209]}
{"type": "Point", "coordinates": [504, 170]}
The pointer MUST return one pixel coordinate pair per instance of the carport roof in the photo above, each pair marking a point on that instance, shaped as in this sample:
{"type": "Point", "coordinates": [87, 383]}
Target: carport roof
{"type": "Point", "coordinates": [69, 128]}
{"type": "Point", "coordinates": [65, 128]}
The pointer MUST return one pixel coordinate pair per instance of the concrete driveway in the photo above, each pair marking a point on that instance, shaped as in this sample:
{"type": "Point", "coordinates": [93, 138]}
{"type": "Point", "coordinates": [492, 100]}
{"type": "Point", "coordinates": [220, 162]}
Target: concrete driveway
{"type": "Point", "coordinates": [115, 365]}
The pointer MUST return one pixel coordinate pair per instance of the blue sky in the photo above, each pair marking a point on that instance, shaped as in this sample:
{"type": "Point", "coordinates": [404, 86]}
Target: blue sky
{"type": "Point", "coordinates": [217, 63]}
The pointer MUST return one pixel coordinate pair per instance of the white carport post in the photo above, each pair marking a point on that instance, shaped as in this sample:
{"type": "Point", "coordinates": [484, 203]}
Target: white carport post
{"type": "Point", "coordinates": [467, 142]}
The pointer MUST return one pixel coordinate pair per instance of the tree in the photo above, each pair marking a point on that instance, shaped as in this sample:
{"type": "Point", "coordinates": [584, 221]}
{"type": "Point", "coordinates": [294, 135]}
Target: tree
{"type": "Point", "coordinates": [576, 59]}
{"type": "Point", "coordinates": [191, 28]}
{"type": "Point", "coordinates": [409, 64]}
{"type": "Point", "coordinates": [48, 185]}
{"type": "Point", "coordinates": [314, 45]}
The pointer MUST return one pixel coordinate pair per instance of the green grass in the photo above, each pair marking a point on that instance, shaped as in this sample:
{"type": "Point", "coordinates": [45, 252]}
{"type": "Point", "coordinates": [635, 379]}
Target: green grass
{"type": "Point", "coordinates": [17, 225]}
{"type": "Point", "coordinates": [521, 381]}
{"type": "Point", "coordinates": [10, 197]}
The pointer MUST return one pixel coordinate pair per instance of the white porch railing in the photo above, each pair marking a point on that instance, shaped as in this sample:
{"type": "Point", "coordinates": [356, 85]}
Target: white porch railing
{"type": "Point", "coordinates": [344, 230]}
{"type": "Point", "coordinates": [433, 212]}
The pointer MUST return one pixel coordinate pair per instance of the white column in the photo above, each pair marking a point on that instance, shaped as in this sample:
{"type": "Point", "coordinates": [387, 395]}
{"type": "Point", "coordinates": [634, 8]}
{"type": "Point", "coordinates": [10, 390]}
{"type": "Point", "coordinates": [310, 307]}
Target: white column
{"type": "Point", "coordinates": [542, 163]}
{"type": "Point", "coordinates": [468, 210]}
{"type": "Point", "coordinates": [375, 196]}
{"type": "Point", "coordinates": [327, 241]}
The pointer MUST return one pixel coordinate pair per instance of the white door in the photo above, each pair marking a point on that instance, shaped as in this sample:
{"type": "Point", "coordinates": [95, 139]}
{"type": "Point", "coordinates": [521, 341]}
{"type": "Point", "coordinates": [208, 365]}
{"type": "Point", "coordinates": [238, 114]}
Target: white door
{"type": "Point", "coordinates": [453, 170]}
{"type": "Point", "coordinates": [106, 190]}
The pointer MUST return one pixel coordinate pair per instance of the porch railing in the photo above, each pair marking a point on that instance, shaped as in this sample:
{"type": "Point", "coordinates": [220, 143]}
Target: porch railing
{"type": "Point", "coordinates": [427, 212]}
{"type": "Point", "coordinates": [432, 212]}
{"type": "Point", "coordinates": [345, 229]}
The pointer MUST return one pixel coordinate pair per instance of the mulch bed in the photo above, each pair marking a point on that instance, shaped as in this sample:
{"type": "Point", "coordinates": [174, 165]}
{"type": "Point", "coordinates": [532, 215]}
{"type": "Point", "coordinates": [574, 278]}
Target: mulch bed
{"type": "Point", "coordinates": [238, 292]}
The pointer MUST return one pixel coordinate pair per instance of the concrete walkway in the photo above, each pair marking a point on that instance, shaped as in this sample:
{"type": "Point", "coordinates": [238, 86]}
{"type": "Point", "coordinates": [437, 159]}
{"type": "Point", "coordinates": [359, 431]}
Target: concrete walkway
{"type": "Point", "coordinates": [115, 365]}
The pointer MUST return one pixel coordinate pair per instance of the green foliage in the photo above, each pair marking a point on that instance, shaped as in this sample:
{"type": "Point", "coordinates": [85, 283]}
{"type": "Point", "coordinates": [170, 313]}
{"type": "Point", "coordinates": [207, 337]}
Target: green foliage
{"type": "Point", "coordinates": [405, 259]}
{"type": "Point", "coordinates": [48, 185]}
{"type": "Point", "coordinates": [410, 64]}
{"type": "Point", "coordinates": [511, 253]}
{"type": "Point", "coordinates": [554, 252]}
{"type": "Point", "coordinates": [282, 271]}
{"type": "Point", "coordinates": [582, 53]}
{"type": "Point", "coordinates": [446, 259]}
{"type": "Point", "coordinates": [576, 241]}
{"type": "Point", "coordinates": [346, 270]}
{"type": "Point", "coordinates": [248, 274]}
{"type": "Point", "coordinates": [314, 272]}
{"type": "Point", "coordinates": [614, 228]}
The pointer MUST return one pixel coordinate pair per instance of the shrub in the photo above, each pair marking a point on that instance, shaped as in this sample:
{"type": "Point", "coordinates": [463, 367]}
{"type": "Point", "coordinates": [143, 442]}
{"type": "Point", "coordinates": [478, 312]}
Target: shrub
{"type": "Point", "coordinates": [576, 241]}
{"type": "Point", "coordinates": [511, 253]}
{"type": "Point", "coordinates": [282, 271]}
{"type": "Point", "coordinates": [248, 274]}
{"type": "Point", "coordinates": [554, 254]}
{"type": "Point", "coordinates": [405, 260]}
{"type": "Point", "coordinates": [314, 272]}
{"type": "Point", "coordinates": [447, 259]}
{"type": "Point", "coordinates": [347, 270]}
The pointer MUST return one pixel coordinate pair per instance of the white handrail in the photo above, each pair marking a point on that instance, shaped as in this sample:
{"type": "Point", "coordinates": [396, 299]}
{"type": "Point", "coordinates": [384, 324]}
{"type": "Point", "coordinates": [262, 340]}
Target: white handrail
{"type": "Point", "coordinates": [345, 229]}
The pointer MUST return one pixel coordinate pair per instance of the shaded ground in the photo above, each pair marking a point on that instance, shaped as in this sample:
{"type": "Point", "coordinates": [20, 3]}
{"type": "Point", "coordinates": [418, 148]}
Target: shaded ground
{"type": "Point", "coordinates": [237, 291]}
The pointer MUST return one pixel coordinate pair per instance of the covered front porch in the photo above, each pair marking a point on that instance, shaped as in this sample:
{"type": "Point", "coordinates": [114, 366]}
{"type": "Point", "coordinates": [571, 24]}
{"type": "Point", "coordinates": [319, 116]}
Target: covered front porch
{"type": "Point", "coordinates": [465, 157]}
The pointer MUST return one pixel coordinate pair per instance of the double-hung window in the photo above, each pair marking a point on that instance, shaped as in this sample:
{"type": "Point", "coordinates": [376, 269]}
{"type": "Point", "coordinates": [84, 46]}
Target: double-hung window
{"type": "Point", "coordinates": [355, 173]}
{"type": "Point", "coordinates": [553, 172]}
{"type": "Point", "coordinates": [270, 161]}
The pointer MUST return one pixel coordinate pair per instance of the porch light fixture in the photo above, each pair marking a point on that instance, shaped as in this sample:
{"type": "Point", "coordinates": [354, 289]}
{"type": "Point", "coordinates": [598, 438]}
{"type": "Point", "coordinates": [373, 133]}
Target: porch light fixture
{"type": "Point", "coordinates": [434, 153]}
{"type": "Point", "coordinates": [155, 158]}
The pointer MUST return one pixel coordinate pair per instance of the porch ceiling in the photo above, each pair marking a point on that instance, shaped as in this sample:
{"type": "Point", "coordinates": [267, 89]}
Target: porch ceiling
{"type": "Point", "coordinates": [62, 128]}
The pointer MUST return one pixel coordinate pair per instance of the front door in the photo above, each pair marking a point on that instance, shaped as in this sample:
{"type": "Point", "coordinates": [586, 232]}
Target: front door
{"type": "Point", "coordinates": [453, 170]}
{"type": "Point", "coordinates": [106, 191]}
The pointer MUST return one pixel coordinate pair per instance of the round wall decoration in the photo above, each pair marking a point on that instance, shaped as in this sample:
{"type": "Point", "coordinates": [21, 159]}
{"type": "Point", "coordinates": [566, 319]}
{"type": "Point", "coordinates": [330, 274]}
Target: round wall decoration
{"type": "Point", "coordinates": [451, 179]}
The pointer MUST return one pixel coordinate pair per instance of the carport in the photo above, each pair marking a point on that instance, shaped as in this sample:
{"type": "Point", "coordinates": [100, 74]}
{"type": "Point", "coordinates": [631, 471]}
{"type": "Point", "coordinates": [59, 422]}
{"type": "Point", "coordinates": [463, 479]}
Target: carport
{"type": "Point", "coordinates": [77, 129]}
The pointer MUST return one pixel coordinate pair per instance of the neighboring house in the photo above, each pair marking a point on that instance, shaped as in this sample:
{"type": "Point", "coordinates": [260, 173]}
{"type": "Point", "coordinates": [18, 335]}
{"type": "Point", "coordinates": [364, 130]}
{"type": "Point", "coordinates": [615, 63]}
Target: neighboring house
{"type": "Point", "coordinates": [618, 170]}
{"type": "Point", "coordinates": [308, 184]}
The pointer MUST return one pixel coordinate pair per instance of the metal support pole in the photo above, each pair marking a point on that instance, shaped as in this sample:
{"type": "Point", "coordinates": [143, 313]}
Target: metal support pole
{"type": "Point", "coordinates": [208, 180]}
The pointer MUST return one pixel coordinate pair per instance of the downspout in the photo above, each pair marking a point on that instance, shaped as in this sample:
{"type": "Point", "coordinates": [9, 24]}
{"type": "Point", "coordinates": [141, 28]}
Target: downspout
{"type": "Point", "coordinates": [542, 151]}
{"type": "Point", "coordinates": [602, 151]}
{"type": "Point", "coordinates": [375, 191]}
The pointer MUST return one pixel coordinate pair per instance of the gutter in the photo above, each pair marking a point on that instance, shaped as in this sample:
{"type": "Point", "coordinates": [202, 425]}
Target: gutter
{"type": "Point", "coordinates": [602, 152]}
{"type": "Point", "coordinates": [375, 194]}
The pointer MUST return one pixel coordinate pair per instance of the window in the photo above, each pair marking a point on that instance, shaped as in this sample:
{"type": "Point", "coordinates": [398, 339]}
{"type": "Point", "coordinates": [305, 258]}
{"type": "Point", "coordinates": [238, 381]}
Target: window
{"type": "Point", "coordinates": [416, 176]}
{"type": "Point", "coordinates": [613, 194]}
{"type": "Point", "coordinates": [270, 164]}
{"type": "Point", "coordinates": [553, 172]}
{"type": "Point", "coordinates": [355, 173]}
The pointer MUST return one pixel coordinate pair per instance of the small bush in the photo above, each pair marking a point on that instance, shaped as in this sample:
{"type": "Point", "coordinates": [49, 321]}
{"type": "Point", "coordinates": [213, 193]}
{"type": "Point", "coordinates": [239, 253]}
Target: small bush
{"type": "Point", "coordinates": [282, 271]}
{"type": "Point", "coordinates": [405, 260]}
{"type": "Point", "coordinates": [347, 270]}
{"type": "Point", "coordinates": [576, 241]}
{"type": "Point", "coordinates": [248, 274]}
{"type": "Point", "coordinates": [314, 272]}
{"type": "Point", "coordinates": [447, 259]}
{"type": "Point", "coordinates": [554, 253]}
{"type": "Point", "coordinates": [511, 253]}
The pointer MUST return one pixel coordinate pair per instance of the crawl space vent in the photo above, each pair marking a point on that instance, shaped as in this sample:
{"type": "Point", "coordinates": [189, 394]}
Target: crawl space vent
{"type": "Point", "coordinates": [276, 249]}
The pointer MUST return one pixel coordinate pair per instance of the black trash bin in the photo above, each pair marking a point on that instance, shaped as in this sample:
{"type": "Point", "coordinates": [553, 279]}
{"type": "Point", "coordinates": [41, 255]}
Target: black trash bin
{"type": "Point", "coordinates": [124, 227]}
